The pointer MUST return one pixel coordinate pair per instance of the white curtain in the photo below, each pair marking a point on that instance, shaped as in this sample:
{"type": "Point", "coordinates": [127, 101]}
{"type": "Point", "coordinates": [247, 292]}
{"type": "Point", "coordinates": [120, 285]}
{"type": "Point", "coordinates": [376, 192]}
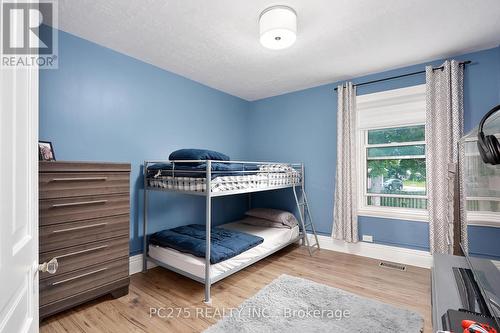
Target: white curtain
{"type": "Point", "coordinates": [443, 129]}
{"type": "Point", "coordinates": [463, 163]}
{"type": "Point", "coordinates": [345, 220]}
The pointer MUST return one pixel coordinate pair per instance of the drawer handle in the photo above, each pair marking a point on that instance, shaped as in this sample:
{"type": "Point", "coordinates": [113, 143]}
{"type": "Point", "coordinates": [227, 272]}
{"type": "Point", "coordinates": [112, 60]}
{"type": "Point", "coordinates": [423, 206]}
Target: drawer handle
{"type": "Point", "coordinates": [79, 228]}
{"type": "Point", "coordinates": [82, 251]}
{"type": "Point", "coordinates": [77, 179]}
{"type": "Point", "coordinates": [81, 203]}
{"type": "Point", "coordinates": [79, 276]}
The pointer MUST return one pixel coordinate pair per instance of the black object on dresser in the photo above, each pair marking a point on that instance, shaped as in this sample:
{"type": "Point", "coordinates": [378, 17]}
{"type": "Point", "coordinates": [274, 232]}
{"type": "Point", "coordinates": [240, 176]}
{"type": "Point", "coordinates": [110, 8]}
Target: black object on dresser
{"type": "Point", "coordinates": [84, 214]}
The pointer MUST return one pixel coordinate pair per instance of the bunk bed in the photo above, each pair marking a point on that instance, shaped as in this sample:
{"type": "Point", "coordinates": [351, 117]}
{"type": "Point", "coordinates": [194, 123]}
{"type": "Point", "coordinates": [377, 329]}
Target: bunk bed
{"type": "Point", "coordinates": [216, 178]}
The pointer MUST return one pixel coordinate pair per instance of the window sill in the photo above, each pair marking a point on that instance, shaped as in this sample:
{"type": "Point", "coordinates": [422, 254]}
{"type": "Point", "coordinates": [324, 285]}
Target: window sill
{"type": "Point", "coordinates": [397, 214]}
{"type": "Point", "coordinates": [483, 219]}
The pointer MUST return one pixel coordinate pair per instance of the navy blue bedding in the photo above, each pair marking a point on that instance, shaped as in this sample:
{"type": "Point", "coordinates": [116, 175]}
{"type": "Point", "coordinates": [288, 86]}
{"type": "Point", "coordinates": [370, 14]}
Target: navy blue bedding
{"type": "Point", "coordinates": [191, 239]}
{"type": "Point", "coordinates": [198, 154]}
{"type": "Point", "coordinates": [221, 169]}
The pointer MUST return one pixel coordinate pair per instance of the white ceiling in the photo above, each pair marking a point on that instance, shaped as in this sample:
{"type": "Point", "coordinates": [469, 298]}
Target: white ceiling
{"type": "Point", "coordinates": [216, 42]}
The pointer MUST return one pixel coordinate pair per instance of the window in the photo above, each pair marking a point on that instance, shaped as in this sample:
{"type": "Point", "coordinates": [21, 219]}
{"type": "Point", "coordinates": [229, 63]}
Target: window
{"type": "Point", "coordinates": [481, 183]}
{"type": "Point", "coordinates": [395, 167]}
{"type": "Point", "coordinates": [391, 154]}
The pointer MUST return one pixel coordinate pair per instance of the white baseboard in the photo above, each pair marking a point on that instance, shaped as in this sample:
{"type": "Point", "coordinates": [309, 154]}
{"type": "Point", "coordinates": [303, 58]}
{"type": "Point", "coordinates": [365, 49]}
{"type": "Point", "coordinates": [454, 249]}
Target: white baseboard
{"type": "Point", "coordinates": [135, 264]}
{"type": "Point", "coordinates": [377, 251]}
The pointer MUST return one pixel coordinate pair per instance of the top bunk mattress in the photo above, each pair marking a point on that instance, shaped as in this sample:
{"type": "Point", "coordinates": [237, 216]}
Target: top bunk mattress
{"type": "Point", "coordinates": [273, 239]}
{"type": "Point", "coordinates": [225, 177]}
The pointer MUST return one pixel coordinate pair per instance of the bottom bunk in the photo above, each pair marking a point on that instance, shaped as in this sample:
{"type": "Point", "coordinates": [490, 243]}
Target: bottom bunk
{"type": "Point", "coordinates": [192, 266]}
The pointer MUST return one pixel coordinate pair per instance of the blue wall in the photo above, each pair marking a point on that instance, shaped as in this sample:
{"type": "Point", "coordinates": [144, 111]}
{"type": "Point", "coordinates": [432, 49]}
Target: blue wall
{"type": "Point", "coordinates": [301, 126]}
{"type": "Point", "coordinates": [101, 105]}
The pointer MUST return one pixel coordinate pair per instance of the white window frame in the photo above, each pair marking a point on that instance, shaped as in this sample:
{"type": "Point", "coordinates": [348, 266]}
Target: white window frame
{"type": "Point", "coordinates": [389, 109]}
{"type": "Point", "coordinates": [482, 218]}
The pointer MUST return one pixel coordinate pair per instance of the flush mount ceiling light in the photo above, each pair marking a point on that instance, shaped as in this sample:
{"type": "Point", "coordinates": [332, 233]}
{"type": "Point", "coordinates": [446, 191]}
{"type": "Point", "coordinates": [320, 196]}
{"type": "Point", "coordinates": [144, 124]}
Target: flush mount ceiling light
{"type": "Point", "coordinates": [278, 27]}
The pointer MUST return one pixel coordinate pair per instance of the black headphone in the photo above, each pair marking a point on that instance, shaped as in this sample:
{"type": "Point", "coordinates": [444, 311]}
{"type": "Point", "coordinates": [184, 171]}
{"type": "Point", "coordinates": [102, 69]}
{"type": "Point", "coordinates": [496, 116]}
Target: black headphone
{"type": "Point", "coordinates": [489, 147]}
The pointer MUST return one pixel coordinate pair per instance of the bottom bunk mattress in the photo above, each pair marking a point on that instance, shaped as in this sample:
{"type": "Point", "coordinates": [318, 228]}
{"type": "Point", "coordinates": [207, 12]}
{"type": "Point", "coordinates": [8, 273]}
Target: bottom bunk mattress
{"type": "Point", "coordinates": [273, 239]}
{"type": "Point", "coordinates": [225, 243]}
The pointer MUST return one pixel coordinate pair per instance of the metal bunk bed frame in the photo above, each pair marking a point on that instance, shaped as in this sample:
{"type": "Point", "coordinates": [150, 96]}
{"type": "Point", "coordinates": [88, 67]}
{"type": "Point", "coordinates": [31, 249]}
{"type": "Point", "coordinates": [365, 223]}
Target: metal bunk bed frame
{"type": "Point", "coordinates": [301, 202]}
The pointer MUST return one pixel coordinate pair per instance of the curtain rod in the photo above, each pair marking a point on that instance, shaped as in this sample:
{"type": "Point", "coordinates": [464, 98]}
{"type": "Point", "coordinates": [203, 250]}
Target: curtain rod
{"type": "Point", "coordinates": [403, 75]}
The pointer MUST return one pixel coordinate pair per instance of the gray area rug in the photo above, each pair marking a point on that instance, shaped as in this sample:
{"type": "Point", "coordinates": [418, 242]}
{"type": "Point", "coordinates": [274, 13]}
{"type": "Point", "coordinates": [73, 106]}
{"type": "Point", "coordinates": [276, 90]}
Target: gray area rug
{"type": "Point", "coordinates": [292, 304]}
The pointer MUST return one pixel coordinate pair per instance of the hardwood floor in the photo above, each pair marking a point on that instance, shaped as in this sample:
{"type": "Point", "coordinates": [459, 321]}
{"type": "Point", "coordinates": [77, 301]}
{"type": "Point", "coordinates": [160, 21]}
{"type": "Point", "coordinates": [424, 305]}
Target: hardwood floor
{"type": "Point", "coordinates": [172, 293]}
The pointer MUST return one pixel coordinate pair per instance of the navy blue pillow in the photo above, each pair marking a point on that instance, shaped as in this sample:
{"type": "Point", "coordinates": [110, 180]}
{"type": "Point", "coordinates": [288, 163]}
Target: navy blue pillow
{"type": "Point", "coordinates": [198, 154]}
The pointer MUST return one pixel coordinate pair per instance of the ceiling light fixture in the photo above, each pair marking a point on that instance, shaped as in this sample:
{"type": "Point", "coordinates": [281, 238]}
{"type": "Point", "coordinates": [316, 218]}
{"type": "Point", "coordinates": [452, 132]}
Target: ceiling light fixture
{"type": "Point", "coordinates": [278, 27]}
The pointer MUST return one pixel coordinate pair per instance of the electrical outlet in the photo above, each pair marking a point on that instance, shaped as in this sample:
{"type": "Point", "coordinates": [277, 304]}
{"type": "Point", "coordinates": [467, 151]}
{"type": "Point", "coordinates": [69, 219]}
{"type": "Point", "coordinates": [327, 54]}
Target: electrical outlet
{"type": "Point", "coordinates": [368, 238]}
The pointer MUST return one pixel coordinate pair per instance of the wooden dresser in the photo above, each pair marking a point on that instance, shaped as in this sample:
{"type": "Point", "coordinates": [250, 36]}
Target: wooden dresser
{"type": "Point", "coordinates": [84, 214]}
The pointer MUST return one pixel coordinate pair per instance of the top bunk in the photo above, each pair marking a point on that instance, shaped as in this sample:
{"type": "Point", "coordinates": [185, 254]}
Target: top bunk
{"type": "Point", "coordinates": [224, 177]}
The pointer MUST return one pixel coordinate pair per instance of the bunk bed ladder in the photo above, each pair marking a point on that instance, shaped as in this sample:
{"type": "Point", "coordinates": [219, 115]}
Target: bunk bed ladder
{"type": "Point", "coordinates": [305, 220]}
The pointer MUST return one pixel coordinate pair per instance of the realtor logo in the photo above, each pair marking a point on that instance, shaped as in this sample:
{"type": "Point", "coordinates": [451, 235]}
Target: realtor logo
{"type": "Point", "coordinates": [29, 37]}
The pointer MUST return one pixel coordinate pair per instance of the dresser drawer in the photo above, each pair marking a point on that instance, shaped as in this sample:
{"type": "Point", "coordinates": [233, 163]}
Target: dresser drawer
{"type": "Point", "coordinates": [58, 236]}
{"type": "Point", "coordinates": [74, 184]}
{"type": "Point", "coordinates": [58, 287]}
{"type": "Point", "coordinates": [76, 166]}
{"type": "Point", "coordinates": [116, 288]}
{"type": "Point", "coordinates": [82, 256]}
{"type": "Point", "coordinates": [54, 211]}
